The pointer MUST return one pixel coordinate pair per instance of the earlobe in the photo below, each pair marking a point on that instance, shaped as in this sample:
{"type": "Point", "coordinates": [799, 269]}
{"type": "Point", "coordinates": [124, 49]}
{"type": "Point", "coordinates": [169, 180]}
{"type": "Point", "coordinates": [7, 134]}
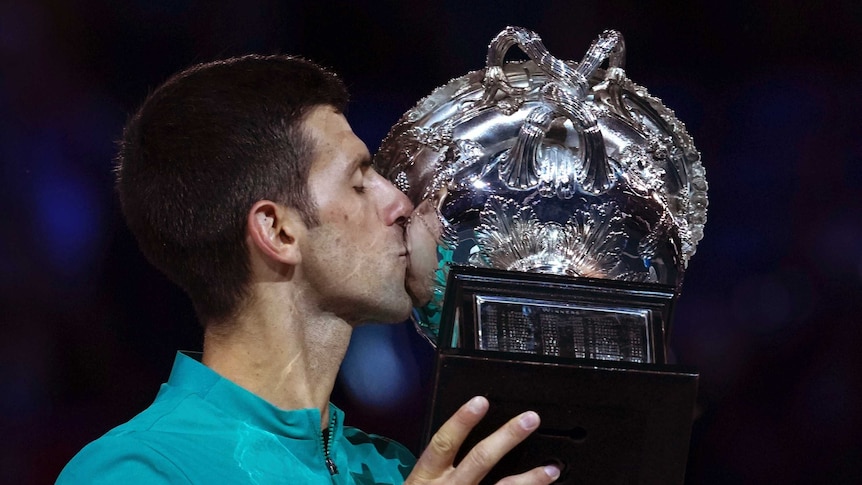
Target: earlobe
{"type": "Point", "coordinates": [272, 230]}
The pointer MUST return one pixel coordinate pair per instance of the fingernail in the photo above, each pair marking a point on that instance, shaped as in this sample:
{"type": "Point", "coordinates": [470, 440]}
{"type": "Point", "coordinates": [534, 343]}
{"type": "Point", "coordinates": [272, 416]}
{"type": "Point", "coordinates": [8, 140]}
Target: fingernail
{"type": "Point", "coordinates": [552, 472]}
{"type": "Point", "coordinates": [477, 404]}
{"type": "Point", "coordinates": [529, 420]}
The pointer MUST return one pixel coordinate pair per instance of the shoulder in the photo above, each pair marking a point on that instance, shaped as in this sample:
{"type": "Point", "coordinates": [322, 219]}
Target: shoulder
{"type": "Point", "coordinates": [121, 458]}
{"type": "Point", "coordinates": [142, 450]}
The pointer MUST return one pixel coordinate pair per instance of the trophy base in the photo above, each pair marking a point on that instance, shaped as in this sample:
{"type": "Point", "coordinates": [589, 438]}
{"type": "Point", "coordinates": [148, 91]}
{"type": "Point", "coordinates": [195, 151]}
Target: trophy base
{"type": "Point", "coordinates": [602, 422]}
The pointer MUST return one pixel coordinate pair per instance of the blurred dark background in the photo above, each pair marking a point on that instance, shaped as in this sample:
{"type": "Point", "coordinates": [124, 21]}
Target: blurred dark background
{"type": "Point", "coordinates": [769, 313]}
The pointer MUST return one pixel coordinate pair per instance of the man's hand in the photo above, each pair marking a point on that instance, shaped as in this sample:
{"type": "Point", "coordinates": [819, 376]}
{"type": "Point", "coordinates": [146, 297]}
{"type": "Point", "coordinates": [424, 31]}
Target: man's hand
{"type": "Point", "coordinates": [435, 464]}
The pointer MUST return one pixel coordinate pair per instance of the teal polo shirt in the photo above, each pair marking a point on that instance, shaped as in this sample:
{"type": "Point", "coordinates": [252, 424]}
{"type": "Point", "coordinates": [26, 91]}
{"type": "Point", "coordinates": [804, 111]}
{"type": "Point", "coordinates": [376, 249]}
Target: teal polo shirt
{"type": "Point", "coordinates": [204, 429]}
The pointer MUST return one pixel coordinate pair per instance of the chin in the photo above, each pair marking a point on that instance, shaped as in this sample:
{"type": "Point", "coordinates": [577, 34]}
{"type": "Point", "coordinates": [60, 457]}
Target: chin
{"type": "Point", "coordinates": [395, 312]}
{"type": "Point", "coordinates": [420, 300]}
{"type": "Point", "coordinates": [420, 291]}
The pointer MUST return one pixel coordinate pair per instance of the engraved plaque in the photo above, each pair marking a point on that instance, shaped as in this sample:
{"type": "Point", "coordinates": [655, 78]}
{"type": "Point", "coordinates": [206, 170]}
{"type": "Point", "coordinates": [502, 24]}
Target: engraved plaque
{"type": "Point", "coordinates": [550, 316]}
{"type": "Point", "coordinates": [558, 329]}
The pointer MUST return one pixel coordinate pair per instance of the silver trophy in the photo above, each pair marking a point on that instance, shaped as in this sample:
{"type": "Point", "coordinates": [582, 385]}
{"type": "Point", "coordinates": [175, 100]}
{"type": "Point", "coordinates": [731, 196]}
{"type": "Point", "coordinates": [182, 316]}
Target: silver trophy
{"type": "Point", "coordinates": [557, 206]}
{"type": "Point", "coordinates": [546, 166]}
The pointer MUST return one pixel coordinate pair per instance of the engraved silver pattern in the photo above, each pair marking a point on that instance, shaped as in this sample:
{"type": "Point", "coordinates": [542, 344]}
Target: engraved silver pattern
{"type": "Point", "coordinates": [553, 166]}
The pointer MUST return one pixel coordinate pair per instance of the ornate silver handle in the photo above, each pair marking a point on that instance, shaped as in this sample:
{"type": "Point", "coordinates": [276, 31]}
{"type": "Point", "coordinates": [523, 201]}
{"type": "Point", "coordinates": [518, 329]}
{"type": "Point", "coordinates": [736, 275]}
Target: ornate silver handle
{"type": "Point", "coordinates": [563, 96]}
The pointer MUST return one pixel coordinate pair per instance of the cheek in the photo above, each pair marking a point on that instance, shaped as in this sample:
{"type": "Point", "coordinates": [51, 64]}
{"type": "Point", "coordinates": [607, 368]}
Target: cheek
{"type": "Point", "coordinates": [423, 249]}
{"type": "Point", "coordinates": [422, 235]}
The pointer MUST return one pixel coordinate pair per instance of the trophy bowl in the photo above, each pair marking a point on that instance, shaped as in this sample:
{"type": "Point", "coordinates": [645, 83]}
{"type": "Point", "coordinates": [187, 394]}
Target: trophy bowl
{"type": "Point", "coordinates": [545, 166]}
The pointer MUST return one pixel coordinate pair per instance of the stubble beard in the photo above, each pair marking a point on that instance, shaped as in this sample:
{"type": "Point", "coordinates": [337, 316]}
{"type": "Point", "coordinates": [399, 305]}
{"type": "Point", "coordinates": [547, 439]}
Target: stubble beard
{"type": "Point", "coordinates": [353, 286]}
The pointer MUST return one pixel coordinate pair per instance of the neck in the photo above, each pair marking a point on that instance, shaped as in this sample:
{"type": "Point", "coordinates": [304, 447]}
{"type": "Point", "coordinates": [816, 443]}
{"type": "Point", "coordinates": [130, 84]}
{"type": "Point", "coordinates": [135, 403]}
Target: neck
{"type": "Point", "coordinates": [289, 358]}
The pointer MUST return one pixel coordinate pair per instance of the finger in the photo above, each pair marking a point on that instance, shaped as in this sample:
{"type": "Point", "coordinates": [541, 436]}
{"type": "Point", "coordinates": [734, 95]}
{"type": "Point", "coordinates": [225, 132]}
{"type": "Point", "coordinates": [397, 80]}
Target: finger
{"type": "Point", "coordinates": [488, 452]}
{"type": "Point", "coordinates": [542, 475]}
{"type": "Point", "coordinates": [440, 453]}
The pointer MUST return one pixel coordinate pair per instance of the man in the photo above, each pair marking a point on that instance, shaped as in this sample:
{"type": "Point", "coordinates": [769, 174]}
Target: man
{"type": "Point", "coordinates": [244, 183]}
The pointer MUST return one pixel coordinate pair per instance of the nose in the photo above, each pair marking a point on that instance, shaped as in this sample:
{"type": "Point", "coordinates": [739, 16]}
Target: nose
{"type": "Point", "coordinates": [395, 207]}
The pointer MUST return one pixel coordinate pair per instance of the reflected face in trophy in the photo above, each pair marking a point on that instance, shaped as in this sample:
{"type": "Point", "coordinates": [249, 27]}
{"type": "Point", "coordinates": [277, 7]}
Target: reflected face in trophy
{"type": "Point", "coordinates": [423, 234]}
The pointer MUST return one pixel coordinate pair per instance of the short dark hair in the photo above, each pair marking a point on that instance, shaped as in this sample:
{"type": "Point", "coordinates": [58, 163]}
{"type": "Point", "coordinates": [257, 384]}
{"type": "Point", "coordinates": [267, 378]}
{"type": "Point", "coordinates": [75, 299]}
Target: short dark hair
{"type": "Point", "coordinates": [201, 150]}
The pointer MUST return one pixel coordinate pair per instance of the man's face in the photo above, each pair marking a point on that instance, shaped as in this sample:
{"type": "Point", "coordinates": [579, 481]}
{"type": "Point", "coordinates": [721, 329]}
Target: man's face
{"type": "Point", "coordinates": [355, 259]}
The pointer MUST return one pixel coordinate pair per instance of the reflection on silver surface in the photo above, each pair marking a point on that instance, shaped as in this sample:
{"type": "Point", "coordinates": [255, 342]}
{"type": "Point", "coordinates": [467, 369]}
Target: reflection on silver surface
{"type": "Point", "coordinates": [550, 166]}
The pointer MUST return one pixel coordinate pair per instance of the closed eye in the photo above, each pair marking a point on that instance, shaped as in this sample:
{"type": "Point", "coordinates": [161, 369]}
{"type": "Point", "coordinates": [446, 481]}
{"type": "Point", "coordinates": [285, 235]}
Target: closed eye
{"type": "Point", "coordinates": [359, 189]}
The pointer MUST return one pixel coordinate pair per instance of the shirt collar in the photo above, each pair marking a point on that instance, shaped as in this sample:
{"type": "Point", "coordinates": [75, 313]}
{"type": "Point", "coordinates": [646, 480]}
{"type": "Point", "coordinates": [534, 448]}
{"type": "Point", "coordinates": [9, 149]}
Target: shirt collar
{"type": "Point", "coordinates": [192, 376]}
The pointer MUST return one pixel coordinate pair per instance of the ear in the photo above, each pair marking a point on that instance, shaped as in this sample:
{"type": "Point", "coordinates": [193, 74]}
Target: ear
{"type": "Point", "coordinates": [273, 229]}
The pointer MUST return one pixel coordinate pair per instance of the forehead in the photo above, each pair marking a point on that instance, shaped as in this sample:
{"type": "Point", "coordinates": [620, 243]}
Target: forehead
{"type": "Point", "coordinates": [336, 147]}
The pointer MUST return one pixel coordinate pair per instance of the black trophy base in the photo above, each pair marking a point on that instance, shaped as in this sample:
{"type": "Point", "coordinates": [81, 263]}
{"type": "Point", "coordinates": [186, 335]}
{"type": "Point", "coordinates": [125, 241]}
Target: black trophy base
{"type": "Point", "coordinates": [603, 422]}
